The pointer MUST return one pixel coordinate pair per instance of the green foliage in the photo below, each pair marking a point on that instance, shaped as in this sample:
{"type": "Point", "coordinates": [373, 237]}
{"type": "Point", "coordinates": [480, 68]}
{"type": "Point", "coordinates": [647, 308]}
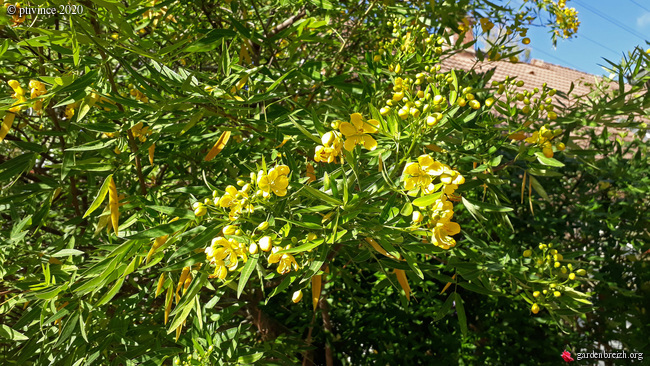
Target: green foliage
{"type": "Point", "coordinates": [220, 133]}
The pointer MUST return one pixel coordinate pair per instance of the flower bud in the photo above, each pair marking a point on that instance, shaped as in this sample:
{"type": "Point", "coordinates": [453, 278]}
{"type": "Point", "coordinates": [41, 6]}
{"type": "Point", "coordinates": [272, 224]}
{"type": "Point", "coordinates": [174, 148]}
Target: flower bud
{"type": "Point", "coordinates": [265, 243]}
{"type": "Point", "coordinates": [527, 253]}
{"type": "Point", "coordinates": [536, 294]}
{"type": "Point", "coordinates": [252, 249]}
{"type": "Point", "coordinates": [581, 272]}
{"type": "Point", "coordinates": [229, 230]}
{"type": "Point", "coordinates": [297, 296]}
{"type": "Point", "coordinates": [263, 226]}
{"type": "Point", "coordinates": [535, 309]}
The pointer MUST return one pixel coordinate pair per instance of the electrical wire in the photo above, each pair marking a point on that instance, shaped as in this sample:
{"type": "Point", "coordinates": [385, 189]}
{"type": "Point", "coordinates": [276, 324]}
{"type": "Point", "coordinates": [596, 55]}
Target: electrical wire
{"type": "Point", "coordinates": [639, 5]}
{"type": "Point", "coordinates": [611, 20]}
{"type": "Point", "coordinates": [565, 62]}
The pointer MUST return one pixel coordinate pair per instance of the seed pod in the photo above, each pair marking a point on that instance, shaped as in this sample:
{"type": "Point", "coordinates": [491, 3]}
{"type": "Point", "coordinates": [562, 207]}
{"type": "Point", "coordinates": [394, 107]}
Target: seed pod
{"type": "Point", "coordinates": [152, 148]}
{"type": "Point", "coordinates": [401, 278]}
{"type": "Point", "coordinates": [161, 282]}
{"type": "Point", "coordinates": [378, 247]}
{"type": "Point", "coordinates": [316, 282]}
{"type": "Point", "coordinates": [6, 125]}
{"type": "Point", "coordinates": [113, 204]}
{"type": "Point", "coordinates": [218, 146]}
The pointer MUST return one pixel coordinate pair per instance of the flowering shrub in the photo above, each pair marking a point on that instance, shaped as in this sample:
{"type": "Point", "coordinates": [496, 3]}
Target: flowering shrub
{"type": "Point", "coordinates": [290, 151]}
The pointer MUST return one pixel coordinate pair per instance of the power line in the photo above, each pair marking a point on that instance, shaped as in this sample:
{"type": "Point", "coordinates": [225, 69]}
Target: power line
{"type": "Point", "coordinates": [639, 5]}
{"type": "Point", "coordinates": [597, 43]}
{"type": "Point", "coordinates": [557, 58]}
{"type": "Point", "coordinates": [613, 21]}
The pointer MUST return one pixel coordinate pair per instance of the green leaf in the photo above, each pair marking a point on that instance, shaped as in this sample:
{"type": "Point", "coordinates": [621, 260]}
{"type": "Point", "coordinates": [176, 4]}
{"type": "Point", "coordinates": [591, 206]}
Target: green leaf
{"type": "Point", "coordinates": [111, 293]}
{"type": "Point", "coordinates": [427, 200]}
{"type": "Point", "coordinates": [250, 359]}
{"type": "Point", "coordinates": [174, 211]}
{"type": "Point", "coordinates": [67, 252]}
{"type": "Point", "coordinates": [548, 161]}
{"type": "Point", "coordinates": [210, 40]}
{"type": "Point", "coordinates": [487, 207]}
{"type": "Point", "coordinates": [12, 334]}
{"type": "Point", "coordinates": [100, 197]}
{"type": "Point", "coordinates": [460, 310]}
{"type": "Point", "coordinates": [94, 145]}
{"type": "Point", "coordinates": [246, 273]}
{"type": "Point", "coordinates": [321, 195]}
{"type": "Point", "coordinates": [178, 319]}
{"type": "Point", "coordinates": [538, 188]}
{"type": "Point", "coordinates": [303, 248]}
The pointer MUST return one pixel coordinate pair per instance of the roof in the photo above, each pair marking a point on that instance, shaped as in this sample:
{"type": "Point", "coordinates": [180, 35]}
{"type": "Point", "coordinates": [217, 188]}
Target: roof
{"type": "Point", "coordinates": [534, 74]}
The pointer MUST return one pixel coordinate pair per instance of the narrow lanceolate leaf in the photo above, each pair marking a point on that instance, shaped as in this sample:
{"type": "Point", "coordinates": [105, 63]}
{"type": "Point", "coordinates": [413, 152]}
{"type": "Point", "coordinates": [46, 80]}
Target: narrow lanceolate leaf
{"type": "Point", "coordinates": [218, 146]}
{"type": "Point", "coordinates": [316, 283]}
{"type": "Point", "coordinates": [152, 149]}
{"type": "Point", "coordinates": [401, 278]}
{"type": "Point", "coordinates": [246, 273]}
{"type": "Point", "coordinates": [113, 204]}
{"type": "Point", "coordinates": [100, 196]}
{"type": "Point", "coordinates": [6, 125]}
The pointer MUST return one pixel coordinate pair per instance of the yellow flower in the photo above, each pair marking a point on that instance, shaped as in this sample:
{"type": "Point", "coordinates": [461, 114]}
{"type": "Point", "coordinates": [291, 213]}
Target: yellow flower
{"type": "Point", "coordinates": [286, 261]}
{"type": "Point", "coordinates": [443, 211]}
{"type": "Point", "coordinates": [236, 200]}
{"type": "Point", "coordinates": [442, 234]}
{"type": "Point", "coordinates": [356, 132]}
{"type": "Point", "coordinates": [276, 180]}
{"type": "Point", "coordinates": [330, 149]}
{"type": "Point", "coordinates": [421, 174]}
{"type": "Point", "coordinates": [311, 173]}
{"type": "Point", "coordinates": [224, 254]}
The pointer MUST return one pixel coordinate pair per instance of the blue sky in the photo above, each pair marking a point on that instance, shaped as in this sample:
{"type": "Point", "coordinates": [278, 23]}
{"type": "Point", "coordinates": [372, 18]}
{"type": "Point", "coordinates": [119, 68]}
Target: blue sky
{"type": "Point", "coordinates": [608, 28]}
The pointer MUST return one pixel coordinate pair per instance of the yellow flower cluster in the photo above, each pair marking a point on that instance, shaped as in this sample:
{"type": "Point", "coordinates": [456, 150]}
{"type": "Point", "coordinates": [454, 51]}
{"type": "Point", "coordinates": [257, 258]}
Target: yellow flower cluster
{"type": "Point", "coordinates": [16, 18]}
{"type": "Point", "coordinates": [357, 132]}
{"type": "Point", "coordinates": [139, 95]}
{"type": "Point", "coordinates": [285, 261]}
{"type": "Point", "coordinates": [330, 149]}
{"type": "Point", "coordinates": [430, 176]}
{"type": "Point", "coordinates": [486, 24]}
{"type": "Point", "coordinates": [275, 181]}
{"type": "Point", "coordinates": [409, 37]}
{"type": "Point", "coordinates": [421, 98]}
{"type": "Point", "coordinates": [550, 261]}
{"type": "Point", "coordinates": [19, 95]}
{"type": "Point", "coordinates": [566, 19]}
{"type": "Point", "coordinates": [69, 110]}
{"type": "Point", "coordinates": [140, 131]}
{"type": "Point", "coordinates": [237, 201]}
{"type": "Point", "coordinates": [36, 90]}
{"type": "Point", "coordinates": [543, 139]}
{"type": "Point", "coordinates": [224, 255]}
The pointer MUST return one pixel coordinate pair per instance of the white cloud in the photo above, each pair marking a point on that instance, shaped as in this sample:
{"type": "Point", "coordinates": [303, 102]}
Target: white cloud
{"type": "Point", "coordinates": [643, 21]}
